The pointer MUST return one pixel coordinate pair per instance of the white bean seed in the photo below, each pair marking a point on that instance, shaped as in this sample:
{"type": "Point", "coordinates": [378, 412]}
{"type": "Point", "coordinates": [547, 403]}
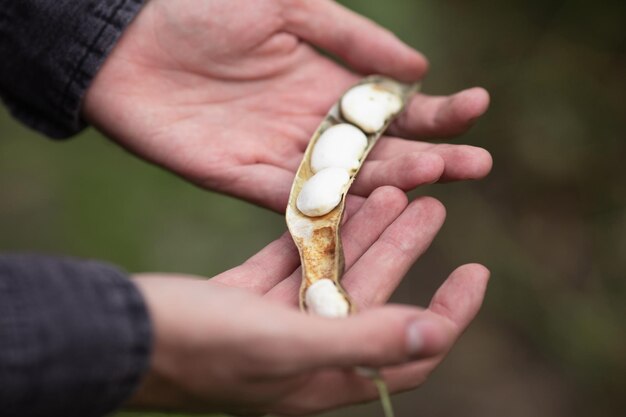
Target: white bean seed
{"type": "Point", "coordinates": [340, 146]}
{"type": "Point", "coordinates": [324, 299]}
{"type": "Point", "coordinates": [321, 193]}
{"type": "Point", "coordinates": [369, 106]}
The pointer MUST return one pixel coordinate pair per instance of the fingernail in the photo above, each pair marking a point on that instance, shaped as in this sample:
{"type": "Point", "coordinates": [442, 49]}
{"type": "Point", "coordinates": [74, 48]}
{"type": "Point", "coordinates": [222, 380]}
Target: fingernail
{"type": "Point", "coordinates": [415, 335]}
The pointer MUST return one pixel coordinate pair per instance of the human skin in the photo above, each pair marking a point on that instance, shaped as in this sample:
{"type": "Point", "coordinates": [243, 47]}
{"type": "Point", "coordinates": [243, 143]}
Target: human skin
{"type": "Point", "coordinates": [226, 93]}
{"type": "Point", "coordinates": [238, 344]}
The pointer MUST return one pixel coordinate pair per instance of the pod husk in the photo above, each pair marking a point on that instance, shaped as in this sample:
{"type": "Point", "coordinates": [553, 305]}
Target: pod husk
{"type": "Point", "coordinates": [318, 238]}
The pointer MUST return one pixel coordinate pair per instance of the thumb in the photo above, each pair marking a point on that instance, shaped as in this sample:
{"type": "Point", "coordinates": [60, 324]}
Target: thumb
{"type": "Point", "coordinates": [378, 337]}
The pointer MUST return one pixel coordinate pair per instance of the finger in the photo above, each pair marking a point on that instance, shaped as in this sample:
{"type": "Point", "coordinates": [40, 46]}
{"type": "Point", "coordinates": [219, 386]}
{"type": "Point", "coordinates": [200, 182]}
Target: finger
{"type": "Point", "coordinates": [263, 184]}
{"type": "Point", "coordinates": [358, 233]}
{"type": "Point", "coordinates": [350, 387]}
{"type": "Point", "coordinates": [461, 294]}
{"type": "Point", "coordinates": [441, 116]}
{"type": "Point", "coordinates": [372, 280]}
{"type": "Point", "coordinates": [379, 337]}
{"type": "Point", "coordinates": [273, 263]}
{"type": "Point", "coordinates": [353, 205]}
{"type": "Point", "coordinates": [404, 171]}
{"type": "Point", "coordinates": [458, 300]}
{"type": "Point", "coordinates": [265, 269]}
{"type": "Point", "coordinates": [379, 211]}
{"type": "Point", "coordinates": [460, 297]}
{"type": "Point", "coordinates": [461, 162]}
{"type": "Point", "coordinates": [361, 43]}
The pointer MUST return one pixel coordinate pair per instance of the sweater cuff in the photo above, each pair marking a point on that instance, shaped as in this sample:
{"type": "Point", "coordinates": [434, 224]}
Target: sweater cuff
{"type": "Point", "coordinates": [51, 53]}
{"type": "Point", "coordinates": [75, 337]}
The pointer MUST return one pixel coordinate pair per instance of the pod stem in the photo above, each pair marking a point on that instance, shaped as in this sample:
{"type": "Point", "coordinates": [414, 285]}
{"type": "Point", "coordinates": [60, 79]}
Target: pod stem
{"type": "Point", "coordinates": [383, 393]}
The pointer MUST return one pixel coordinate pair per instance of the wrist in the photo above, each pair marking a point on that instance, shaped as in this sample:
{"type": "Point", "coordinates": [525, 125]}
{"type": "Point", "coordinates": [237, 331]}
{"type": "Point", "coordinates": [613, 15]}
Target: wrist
{"type": "Point", "coordinates": [163, 387]}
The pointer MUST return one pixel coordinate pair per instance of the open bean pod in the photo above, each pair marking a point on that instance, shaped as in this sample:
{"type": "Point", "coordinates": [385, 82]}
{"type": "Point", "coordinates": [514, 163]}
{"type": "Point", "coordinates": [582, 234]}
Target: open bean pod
{"type": "Point", "coordinates": [331, 162]}
{"type": "Point", "coordinates": [319, 190]}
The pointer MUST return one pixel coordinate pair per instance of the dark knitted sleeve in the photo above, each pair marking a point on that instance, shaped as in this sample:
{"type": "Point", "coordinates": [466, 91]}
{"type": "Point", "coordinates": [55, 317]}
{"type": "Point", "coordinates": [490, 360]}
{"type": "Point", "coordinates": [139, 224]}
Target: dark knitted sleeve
{"type": "Point", "coordinates": [50, 51]}
{"type": "Point", "coordinates": [75, 337]}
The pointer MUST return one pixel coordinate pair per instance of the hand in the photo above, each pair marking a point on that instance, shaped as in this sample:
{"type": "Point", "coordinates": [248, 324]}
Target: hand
{"type": "Point", "coordinates": [237, 343]}
{"type": "Point", "coordinates": [227, 93]}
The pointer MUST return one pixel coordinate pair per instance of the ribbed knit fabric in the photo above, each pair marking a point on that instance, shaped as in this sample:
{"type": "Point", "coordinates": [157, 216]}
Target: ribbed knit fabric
{"type": "Point", "coordinates": [75, 337]}
{"type": "Point", "coordinates": [50, 50]}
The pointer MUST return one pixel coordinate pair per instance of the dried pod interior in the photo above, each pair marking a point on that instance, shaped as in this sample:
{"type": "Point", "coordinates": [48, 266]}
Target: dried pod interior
{"type": "Point", "coordinates": [331, 162]}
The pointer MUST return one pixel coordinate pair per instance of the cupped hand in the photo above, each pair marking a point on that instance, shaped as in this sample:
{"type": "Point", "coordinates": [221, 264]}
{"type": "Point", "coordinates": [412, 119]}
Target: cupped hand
{"type": "Point", "coordinates": [227, 93]}
{"type": "Point", "coordinates": [238, 344]}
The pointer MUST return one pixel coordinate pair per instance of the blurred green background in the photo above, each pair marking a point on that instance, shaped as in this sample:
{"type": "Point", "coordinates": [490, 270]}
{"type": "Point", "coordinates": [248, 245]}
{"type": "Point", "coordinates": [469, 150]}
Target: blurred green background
{"type": "Point", "coordinates": [550, 221]}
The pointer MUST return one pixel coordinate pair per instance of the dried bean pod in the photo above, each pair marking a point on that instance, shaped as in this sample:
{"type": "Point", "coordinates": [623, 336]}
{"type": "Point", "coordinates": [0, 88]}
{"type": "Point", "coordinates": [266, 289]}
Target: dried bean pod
{"type": "Point", "coordinates": [317, 238]}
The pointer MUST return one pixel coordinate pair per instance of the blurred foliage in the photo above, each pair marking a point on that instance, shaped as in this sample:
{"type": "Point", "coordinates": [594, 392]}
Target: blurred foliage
{"type": "Point", "coordinates": [550, 221]}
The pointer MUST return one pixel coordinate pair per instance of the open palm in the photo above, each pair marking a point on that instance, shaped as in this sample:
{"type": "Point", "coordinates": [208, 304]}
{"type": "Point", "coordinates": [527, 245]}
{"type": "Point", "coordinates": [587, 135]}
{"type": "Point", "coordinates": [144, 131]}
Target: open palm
{"type": "Point", "coordinates": [227, 93]}
{"type": "Point", "coordinates": [272, 358]}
